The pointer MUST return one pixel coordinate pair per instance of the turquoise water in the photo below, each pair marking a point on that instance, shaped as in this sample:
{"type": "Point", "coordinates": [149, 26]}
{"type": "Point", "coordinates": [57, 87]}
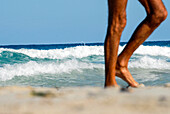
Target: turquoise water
{"type": "Point", "coordinates": [65, 65]}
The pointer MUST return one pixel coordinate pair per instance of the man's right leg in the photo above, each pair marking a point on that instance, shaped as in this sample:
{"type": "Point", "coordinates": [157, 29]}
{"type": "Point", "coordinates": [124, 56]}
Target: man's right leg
{"type": "Point", "coordinates": [116, 24]}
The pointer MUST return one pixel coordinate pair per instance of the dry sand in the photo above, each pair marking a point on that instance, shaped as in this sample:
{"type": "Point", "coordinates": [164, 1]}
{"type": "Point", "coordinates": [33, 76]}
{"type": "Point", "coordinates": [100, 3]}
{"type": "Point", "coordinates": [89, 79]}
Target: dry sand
{"type": "Point", "coordinates": [84, 100]}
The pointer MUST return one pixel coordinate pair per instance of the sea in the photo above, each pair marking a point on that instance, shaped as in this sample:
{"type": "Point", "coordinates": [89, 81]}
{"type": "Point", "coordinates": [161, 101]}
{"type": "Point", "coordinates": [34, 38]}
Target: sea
{"type": "Point", "coordinates": [79, 64]}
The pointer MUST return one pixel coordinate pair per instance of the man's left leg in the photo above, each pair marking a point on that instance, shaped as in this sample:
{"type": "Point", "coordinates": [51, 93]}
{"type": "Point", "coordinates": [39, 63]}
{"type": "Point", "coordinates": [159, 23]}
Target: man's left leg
{"type": "Point", "coordinates": [156, 13]}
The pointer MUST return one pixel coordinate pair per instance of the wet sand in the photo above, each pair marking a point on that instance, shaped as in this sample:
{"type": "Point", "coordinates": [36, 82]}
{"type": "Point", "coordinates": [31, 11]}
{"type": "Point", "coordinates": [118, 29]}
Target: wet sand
{"type": "Point", "coordinates": [84, 100]}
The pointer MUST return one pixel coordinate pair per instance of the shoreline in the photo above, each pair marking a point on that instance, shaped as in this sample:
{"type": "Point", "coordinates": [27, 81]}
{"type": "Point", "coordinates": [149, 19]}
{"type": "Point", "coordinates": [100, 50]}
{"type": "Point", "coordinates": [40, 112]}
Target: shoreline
{"type": "Point", "coordinates": [84, 100]}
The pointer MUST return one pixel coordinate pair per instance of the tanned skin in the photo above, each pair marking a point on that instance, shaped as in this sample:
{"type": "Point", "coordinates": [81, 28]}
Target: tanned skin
{"type": "Point", "coordinates": [117, 65]}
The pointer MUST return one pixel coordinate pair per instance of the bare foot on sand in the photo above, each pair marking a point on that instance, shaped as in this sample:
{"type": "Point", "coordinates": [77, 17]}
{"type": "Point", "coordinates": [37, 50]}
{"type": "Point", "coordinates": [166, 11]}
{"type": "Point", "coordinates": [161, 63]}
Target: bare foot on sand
{"type": "Point", "coordinates": [123, 73]}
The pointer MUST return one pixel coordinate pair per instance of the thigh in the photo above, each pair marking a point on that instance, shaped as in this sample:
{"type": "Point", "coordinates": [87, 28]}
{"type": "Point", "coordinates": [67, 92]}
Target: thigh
{"type": "Point", "coordinates": [117, 11]}
{"type": "Point", "coordinates": [153, 6]}
{"type": "Point", "coordinates": [117, 6]}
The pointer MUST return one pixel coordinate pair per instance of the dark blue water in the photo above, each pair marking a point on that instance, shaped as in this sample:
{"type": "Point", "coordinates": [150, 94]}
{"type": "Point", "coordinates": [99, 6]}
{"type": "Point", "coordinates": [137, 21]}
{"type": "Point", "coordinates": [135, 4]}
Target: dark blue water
{"type": "Point", "coordinates": [62, 46]}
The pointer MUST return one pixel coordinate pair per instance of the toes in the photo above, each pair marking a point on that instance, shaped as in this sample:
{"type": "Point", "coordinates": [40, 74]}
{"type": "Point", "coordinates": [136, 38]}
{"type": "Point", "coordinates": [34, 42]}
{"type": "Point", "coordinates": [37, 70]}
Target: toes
{"type": "Point", "coordinates": [138, 86]}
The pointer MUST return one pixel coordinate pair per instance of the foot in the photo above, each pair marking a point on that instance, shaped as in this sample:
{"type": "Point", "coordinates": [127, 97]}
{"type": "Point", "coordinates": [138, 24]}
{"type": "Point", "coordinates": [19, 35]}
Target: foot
{"type": "Point", "coordinates": [123, 73]}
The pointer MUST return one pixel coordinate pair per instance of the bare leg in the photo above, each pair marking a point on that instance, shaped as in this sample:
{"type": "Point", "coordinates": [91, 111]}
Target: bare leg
{"type": "Point", "coordinates": [116, 24]}
{"type": "Point", "coordinates": [156, 13]}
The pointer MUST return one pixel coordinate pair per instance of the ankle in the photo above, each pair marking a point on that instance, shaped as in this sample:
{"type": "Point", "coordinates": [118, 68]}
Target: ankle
{"type": "Point", "coordinates": [121, 63]}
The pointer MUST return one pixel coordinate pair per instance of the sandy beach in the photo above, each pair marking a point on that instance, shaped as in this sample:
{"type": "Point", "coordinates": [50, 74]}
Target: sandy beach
{"type": "Point", "coordinates": [85, 100]}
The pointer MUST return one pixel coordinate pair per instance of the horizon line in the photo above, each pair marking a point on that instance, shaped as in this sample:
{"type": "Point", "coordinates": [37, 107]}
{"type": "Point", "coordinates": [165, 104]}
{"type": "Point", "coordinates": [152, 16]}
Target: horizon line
{"type": "Point", "coordinates": [73, 43]}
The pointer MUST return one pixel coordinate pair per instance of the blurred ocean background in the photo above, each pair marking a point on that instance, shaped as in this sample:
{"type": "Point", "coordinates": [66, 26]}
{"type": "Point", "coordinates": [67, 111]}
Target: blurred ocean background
{"type": "Point", "coordinates": [79, 64]}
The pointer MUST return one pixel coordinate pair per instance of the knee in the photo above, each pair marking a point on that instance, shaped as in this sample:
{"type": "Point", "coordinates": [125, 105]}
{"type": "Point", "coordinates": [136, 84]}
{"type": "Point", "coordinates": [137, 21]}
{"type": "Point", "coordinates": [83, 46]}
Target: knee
{"type": "Point", "coordinates": [156, 18]}
{"type": "Point", "coordinates": [118, 24]}
{"type": "Point", "coordinates": [123, 22]}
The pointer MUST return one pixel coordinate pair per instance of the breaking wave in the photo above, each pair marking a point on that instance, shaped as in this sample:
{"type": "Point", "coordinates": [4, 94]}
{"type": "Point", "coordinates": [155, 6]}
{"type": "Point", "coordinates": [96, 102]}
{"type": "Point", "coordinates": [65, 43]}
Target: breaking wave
{"type": "Point", "coordinates": [32, 62]}
{"type": "Point", "coordinates": [33, 68]}
{"type": "Point", "coordinates": [85, 51]}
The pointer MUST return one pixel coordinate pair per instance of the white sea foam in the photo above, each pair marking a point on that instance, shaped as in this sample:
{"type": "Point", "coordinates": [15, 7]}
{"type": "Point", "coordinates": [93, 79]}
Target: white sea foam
{"type": "Point", "coordinates": [85, 51]}
{"type": "Point", "coordinates": [74, 52]}
{"type": "Point", "coordinates": [153, 50]}
{"type": "Point", "coordinates": [147, 62]}
{"type": "Point", "coordinates": [32, 68]}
